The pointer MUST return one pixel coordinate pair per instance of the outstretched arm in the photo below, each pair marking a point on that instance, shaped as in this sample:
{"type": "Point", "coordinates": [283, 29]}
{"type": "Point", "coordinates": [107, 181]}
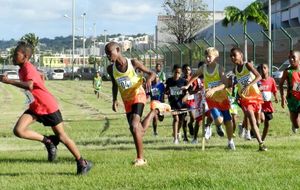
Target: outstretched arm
{"type": "Point", "coordinates": [150, 75]}
{"type": "Point", "coordinates": [198, 73]}
{"type": "Point", "coordinates": [28, 85]}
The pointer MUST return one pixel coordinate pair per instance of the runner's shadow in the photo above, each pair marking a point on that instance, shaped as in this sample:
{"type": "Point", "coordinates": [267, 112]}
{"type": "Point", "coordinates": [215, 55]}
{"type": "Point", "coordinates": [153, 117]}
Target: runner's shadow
{"type": "Point", "coordinates": [106, 125]}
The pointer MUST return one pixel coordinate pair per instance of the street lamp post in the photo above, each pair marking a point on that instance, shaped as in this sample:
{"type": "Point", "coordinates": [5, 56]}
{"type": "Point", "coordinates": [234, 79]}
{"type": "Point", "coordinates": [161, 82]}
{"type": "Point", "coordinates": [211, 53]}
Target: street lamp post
{"type": "Point", "coordinates": [270, 36]}
{"type": "Point", "coordinates": [83, 38]}
{"type": "Point", "coordinates": [214, 25]}
{"type": "Point", "coordinates": [73, 36]}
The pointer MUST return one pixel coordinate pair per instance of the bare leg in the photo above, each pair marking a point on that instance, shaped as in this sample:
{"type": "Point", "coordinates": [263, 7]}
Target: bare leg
{"type": "Point", "coordinates": [294, 119]}
{"type": "Point", "coordinates": [253, 123]}
{"type": "Point", "coordinates": [146, 122]}
{"type": "Point", "coordinates": [66, 140]}
{"type": "Point", "coordinates": [137, 132]}
{"type": "Point", "coordinates": [21, 129]}
{"type": "Point", "coordinates": [175, 126]}
{"type": "Point", "coordinates": [154, 124]}
{"type": "Point", "coordinates": [229, 130]}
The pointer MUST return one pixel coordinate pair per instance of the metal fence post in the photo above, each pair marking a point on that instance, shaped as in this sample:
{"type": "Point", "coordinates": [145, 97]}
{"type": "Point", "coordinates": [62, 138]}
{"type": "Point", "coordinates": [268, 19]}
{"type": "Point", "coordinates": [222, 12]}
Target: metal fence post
{"type": "Point", "coordinates": [207, 42]}
{"type": "Point", "coordinates": [198, 47]}
{"type": "Point", "coordinates": [289, 36]}
{"type": "Point", "coordinates": [253, 46]}
{"type": "Point", "coordinates": [180, 53]}
{"type": "Point", "coordinates": [233, 39]}
{"type": "Point", "coordinates": [171, 56]}
{"type": "Point", "coordinates": [272, 49]}
{"type": "Point", "coordinates": [224, 53]}
{"type": "Point", "coordinates": [190, 53]}
{"type": "Point", "coordinates": [165, 57]}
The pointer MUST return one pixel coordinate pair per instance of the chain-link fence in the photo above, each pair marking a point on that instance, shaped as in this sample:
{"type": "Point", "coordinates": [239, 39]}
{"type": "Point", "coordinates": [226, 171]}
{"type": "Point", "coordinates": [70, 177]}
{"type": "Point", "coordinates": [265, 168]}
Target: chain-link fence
{"type": "Point", "coordinates": [283, 40]}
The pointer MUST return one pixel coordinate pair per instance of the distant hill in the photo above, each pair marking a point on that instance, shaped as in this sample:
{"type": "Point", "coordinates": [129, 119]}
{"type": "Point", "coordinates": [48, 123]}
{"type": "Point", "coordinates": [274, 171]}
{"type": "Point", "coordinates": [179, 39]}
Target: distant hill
{"type": "Point", "coordinates": [58, 44]}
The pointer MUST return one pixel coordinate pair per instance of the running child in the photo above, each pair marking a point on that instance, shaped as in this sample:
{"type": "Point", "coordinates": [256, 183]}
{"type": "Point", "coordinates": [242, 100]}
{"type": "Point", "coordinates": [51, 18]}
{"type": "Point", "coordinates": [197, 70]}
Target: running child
{"type": "Point", "coordinates": [216, 94]}
{"type": "Point", "coordinates": [97, 82]}
{"type": "Point", "coordinates": [190, 102]}
{"type": "Point", "coordinates": [267, 86]}
{"type": "Point", "coordinates": [125, 79]}
{"type": "Point", "coordinates": [249, 95]}
{"type": "Point", "coordinates": [42, 108]}
{"type": "Point", "coordinates": [292, 98]}
{"type": "Point", "coordinates": [157, 93]}
{"type": "Point", "coordinates": [175, 95]}
{"type": "Point", "coordinates": [161, 75]}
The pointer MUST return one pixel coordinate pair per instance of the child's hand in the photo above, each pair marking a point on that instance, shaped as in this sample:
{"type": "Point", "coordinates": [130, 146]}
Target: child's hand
{"type": "Point", "coordinates": [209, 92]}
{"type": "Point", "coordinates": [184, 87]}
{"type": "Point", "coordinates": [245, 90]}
{"type": "Point", "coordinates": [4, 79]}
{"type": "Point", "coordinates": [148, 85]}
{"type": "Point", "coordinates": [115, 106]}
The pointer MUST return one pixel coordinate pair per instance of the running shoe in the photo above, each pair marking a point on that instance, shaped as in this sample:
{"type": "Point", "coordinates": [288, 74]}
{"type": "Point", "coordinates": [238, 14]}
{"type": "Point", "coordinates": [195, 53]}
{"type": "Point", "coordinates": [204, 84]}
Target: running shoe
{"type": "Point", "coordinates": [194, 141]}
{"type": "Point", "coordinates": [161, 107]}
{"type": "Point", "coordinates": [262, 147]}
{"type": "Point", "coordinates": [231, 146]}
{"type": "Point", "coordinates": [139, 162]}
{"type": "Point", "coordinates": [248, 135]}
{"type": "Point", "coordinates": [220, 131]}
{"type": "Point", "coordinates": [207, 133]}
{"type": "Point", "coordinates": [176, 141]}
{"type": "Point", "coordinates": [50, 144]}
{"type": "Point", "coordinates": [294, 129]}
{"type": "Point", "coordinates": [83, 166]}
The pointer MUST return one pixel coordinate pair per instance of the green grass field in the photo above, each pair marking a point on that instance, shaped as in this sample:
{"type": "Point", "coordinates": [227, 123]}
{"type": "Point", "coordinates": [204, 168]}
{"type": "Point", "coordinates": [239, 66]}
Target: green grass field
{"type": "Point", "coordinates": [103, 137]}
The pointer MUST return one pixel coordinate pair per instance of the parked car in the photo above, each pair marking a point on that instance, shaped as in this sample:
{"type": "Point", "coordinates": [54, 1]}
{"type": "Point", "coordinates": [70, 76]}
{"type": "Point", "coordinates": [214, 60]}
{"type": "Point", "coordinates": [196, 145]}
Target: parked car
{"type": "Point", "coordinates": [83, 73]}
{"type": "Point", "coordinates": [56, 74]}
{"type": "Point", "coordinates": [277, 72]}
{"type": "Point", "coordinates": [13, 75]}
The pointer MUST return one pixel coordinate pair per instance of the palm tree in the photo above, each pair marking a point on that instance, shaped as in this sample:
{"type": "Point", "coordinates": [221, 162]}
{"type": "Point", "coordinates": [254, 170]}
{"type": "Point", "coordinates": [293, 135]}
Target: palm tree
{"type": "Point", "coordinates": [254, 12]}
{"type": "Point", "coordinates": [33, 40]}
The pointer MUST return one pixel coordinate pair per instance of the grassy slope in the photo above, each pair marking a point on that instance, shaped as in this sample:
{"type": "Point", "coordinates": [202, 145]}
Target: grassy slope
{"type": "Point", "coordinates": [104, 138]}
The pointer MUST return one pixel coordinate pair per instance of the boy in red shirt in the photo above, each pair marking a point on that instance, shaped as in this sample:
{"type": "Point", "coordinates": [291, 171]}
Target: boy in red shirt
{"type": "Point", "coordinates": [267, 87]}
{"type": "Point", "coordinates": [42, 108]}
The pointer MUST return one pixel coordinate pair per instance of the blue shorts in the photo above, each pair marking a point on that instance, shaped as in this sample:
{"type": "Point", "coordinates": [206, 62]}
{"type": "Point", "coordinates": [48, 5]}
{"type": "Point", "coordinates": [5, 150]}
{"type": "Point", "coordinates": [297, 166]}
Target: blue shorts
{"type": "Point", "coordinates": [215, 113]}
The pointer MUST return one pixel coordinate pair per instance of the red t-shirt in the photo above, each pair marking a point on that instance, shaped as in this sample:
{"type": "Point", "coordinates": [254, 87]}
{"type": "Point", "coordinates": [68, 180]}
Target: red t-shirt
{"type": "Point", "coordinates": [43, 101]}
{"type": "Point", "coordinates": [267, 88]}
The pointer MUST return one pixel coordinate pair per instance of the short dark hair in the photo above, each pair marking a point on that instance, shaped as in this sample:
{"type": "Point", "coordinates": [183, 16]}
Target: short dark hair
{"type": "Point", "coordinates": [176, 67]}
{"type": "Point", "coordinates": [236, 49]}
{"type": "Point", "coordinates": [25, 47]}
{"type": "Point", "coordinates": [111, 44]}
{"type": "Point", "coordinates": [185, 66]}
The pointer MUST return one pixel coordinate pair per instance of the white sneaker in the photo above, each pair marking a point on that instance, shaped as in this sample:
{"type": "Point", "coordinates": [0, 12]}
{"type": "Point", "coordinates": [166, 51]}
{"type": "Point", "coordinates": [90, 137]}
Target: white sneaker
{"type": "Point", "coordinates": [194, 141]}
{"type": "Point", "coordinates": [176, 141]}
{"type": "Point", "coordinates": [241, 130]}
{"type": "Point", "coordinates": [248, 135]}
{"type": "Point", "coordinates": [207, 133]}
{"type": "Point", "coordinates": [294, 129]}
{"type": "Point", "coordinates": [231, 146]}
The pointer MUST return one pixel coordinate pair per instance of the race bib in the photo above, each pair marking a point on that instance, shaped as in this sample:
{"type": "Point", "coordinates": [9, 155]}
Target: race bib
{"type": "Point", "coordinates": [191, 97]}
{"type": "Point", "coordinates": [124, 82]}
{"type": "Point", "coordinates": [155, 92]}
{"type": "Point", "coordinates": [175, 91]}
{"type": "Point", "coordinates": [28, 97]}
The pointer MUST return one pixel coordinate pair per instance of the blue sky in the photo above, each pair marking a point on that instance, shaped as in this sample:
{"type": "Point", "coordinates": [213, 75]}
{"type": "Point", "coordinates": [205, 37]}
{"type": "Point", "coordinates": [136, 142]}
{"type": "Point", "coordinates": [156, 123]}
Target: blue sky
{"type": "Point", "coordinates": [46, 18]}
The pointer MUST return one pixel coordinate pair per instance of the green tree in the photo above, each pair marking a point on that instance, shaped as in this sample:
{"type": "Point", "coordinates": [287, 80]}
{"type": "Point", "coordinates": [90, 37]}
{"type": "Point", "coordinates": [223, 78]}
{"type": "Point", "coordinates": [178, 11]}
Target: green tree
{"type": "Point", "coordinates": [254, 12]}
{"type": "Point", "coordinates": [33, 40]}
{"type": "Point", "coordinates": [185, 18]}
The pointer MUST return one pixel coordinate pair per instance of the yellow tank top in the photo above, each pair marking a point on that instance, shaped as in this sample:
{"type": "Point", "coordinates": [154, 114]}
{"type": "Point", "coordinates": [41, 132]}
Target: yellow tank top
{"type": "Point", "coordinates": [219, 99]}
{"type": "Point", "coordinates": [245, 77]}
{"type": "Point", "coordinates": [129, 83]}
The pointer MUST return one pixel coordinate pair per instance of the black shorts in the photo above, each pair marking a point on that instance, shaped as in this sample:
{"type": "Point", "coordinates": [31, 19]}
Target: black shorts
{"type": "Point", "coordinates": [51, 119]}
{"type": "Point", "coordinates": [268, 116]}
{"type": "Point", "coordinates": [136, 109]}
